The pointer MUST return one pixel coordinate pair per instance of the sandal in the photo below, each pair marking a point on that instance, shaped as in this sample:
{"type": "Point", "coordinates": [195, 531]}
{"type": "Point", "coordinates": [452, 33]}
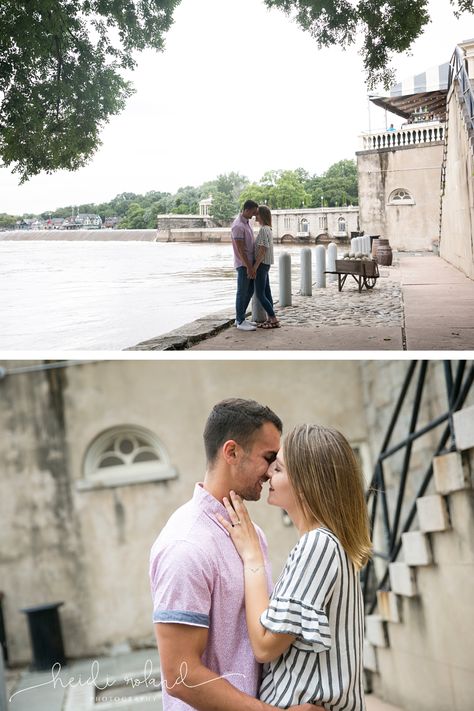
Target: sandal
{"type": "Point", "coordinates": [270, 324]}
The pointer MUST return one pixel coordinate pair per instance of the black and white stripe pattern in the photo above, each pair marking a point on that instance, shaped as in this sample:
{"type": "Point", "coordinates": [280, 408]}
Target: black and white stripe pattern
{"type": "Point", "coordinates": [319, 599]}
{"type": "Point", "coordinates": [434, 79]}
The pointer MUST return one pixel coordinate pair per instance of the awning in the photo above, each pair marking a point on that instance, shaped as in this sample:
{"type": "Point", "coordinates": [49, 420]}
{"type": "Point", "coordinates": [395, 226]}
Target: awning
{"type": "Point", "coordinates": [420, 97]}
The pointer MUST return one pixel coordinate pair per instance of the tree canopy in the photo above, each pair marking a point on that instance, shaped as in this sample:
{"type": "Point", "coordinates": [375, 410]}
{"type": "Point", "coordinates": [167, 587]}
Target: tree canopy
{"type": "Point", "coordinates": [385, 26]}
{"type": "Point", "coordinates": [61, 63]}
{"type": "Point", "coordinates": [60, 74]}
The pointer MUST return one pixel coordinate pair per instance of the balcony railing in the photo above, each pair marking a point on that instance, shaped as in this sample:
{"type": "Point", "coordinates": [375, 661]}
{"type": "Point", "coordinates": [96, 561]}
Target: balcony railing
{"type": "Point", "coordinates": [411, 135]}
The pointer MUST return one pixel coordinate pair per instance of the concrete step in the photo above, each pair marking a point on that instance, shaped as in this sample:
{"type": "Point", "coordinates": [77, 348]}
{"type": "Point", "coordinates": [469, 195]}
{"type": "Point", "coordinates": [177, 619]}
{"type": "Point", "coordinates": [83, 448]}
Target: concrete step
{"type": "Point", "coordinates": [402, 579]}
{"type": "Point", "coordinates": [370, 657]}
{"type": "Point", "coordinates": [452, 472]}
{"type": "Point", "coordinates": [416, 548]}
{"type": "Point", "coordinates": [464, 428]}
{"type": "Point", "coordinates": [388, 605]}
{"type": "Point", "coordinates": [375, 631]}
{"type": "Point", "coordinates": [455, 547]}
{"type": "Point", "coordinates": [432, 513]}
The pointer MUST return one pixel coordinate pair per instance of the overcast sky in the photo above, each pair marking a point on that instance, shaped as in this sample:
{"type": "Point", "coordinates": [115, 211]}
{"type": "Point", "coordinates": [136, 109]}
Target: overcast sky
{"type": "Point", "coordinates": [238, 87]}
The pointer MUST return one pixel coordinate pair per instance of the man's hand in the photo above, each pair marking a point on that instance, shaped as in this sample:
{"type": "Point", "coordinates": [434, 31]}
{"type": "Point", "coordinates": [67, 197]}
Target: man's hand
{"type": "Point", "coordinates": [251, 273]}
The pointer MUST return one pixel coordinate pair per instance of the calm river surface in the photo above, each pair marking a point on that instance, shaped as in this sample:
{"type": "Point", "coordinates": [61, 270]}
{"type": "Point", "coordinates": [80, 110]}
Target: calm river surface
{"type": "Point", "coordinates": [110, 295]}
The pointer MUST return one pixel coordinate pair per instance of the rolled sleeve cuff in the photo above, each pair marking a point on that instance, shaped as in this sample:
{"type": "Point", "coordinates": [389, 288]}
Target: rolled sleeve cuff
{"type": "Point", "coordinates": [196, 619]}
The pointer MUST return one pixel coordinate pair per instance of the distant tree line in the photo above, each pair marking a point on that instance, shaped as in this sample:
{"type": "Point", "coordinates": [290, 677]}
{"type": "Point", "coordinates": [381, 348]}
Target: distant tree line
{"type": "Point", "coordinates": [279, 189]}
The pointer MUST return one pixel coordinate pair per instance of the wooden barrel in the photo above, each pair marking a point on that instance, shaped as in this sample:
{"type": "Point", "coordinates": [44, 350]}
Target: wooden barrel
{"type": "Point", "coordinates": [384, 254]}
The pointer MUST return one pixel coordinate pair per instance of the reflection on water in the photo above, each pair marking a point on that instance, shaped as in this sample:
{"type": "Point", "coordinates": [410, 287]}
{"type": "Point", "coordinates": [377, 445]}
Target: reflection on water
{"type": "Point", "coordinates": [110, 295]}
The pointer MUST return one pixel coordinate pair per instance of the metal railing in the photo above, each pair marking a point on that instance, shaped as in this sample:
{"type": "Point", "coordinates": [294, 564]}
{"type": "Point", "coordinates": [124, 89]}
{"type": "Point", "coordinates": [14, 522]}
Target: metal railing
{"type": "Point", "coordinates": [457, 71]}
{"type": "Point", "coordinates": [458, 386]}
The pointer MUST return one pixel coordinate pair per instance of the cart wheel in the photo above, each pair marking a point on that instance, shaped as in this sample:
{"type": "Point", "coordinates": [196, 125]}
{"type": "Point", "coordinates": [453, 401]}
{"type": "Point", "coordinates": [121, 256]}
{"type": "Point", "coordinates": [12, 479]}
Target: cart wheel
{"type": "Point", "coordinates": [369, 282]}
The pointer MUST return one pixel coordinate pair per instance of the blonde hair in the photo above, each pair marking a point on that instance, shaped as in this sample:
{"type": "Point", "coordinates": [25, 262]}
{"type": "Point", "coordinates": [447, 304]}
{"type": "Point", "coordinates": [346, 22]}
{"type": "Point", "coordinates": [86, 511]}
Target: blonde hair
{"type": "Point", "coordinates": [266, 215]}
{"type": "Point", "coordinates": [328, 485]}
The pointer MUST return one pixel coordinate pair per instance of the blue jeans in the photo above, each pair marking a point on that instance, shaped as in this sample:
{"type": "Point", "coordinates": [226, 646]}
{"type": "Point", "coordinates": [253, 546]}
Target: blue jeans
{"type": "Point", "coordinates": [262, 289]}
{"type": "Point", "coordinates": [244, 293]}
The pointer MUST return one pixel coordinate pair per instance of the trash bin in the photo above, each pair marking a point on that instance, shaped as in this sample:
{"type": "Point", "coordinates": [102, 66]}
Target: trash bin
{"type": "Point", "coordinates": [45, 634]}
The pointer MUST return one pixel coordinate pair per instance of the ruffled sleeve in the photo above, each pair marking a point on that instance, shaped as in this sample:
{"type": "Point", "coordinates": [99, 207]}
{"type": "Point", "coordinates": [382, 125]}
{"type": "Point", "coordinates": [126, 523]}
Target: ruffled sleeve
{"type": "Point", "coordinates": [299, 602]}
{"type": "Point", "coordinates": [287, 616]}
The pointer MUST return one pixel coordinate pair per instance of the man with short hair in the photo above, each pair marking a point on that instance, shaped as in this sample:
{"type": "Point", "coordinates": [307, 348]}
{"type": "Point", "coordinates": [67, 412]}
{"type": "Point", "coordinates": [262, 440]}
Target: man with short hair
{"type": "Point", "coordinates": [196, 574]}
{"type": "Point", "coordinates": [243, 244]}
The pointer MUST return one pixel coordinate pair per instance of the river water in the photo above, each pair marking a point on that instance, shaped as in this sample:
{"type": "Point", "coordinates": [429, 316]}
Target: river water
{"type": "Point", "coordinates": [110, 295]}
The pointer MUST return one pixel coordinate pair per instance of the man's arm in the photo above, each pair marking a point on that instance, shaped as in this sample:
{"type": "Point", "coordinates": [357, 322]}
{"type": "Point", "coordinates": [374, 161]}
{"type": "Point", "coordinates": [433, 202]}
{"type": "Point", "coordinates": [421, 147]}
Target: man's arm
{"type": "Point", "coordinates": [186, 678]}
{"type": "Point", "coordinates": [241, 250]}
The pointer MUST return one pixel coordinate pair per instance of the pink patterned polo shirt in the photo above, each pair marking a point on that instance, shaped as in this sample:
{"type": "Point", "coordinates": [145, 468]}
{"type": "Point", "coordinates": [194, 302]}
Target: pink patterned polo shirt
{"type": "Point", "coordinates": [197, 579]}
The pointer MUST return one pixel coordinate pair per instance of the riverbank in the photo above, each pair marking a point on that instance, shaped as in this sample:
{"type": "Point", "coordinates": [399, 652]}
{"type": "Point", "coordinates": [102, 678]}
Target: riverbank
{"type": "Point", "coordinates": [420, 303]}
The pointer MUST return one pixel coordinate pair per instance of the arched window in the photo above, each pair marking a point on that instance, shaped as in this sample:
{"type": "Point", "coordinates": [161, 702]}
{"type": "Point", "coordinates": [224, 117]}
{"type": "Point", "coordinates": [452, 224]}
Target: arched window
{"type": "Point", "coordinates": [401, 196]}
{"type": "Point", "coordinates": [304, 225]}
{"type": "Point", "coordinates": [341, 224]}
{"type": "Point", "coordinates": [123, 455]}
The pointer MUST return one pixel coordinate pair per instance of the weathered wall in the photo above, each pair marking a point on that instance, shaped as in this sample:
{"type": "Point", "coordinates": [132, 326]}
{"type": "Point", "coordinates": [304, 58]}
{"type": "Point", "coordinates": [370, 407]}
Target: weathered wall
{"type": "Point", "coordinates": [457, 219]}
{"type": "Point", "coordinates": [90, 548]}
{"type": "Point", "coordinates": [416, 169]}
{"type": "Point", "coordinates": [430, 661]}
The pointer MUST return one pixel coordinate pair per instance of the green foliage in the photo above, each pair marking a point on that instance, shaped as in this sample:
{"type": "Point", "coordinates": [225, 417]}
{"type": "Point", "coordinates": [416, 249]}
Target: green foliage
{"type": "Point", "coordinates": [386, 26]}
{"type": "Point", "coordinates": [224, 206]}
{"type": "Point", "coordinates": [60, 81]}
{"type": "Point", "coordinates": [7, 222]}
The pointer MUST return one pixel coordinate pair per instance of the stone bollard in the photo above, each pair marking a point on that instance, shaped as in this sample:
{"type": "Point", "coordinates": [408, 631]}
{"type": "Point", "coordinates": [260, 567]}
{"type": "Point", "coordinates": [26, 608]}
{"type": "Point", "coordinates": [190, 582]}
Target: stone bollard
{"type": "Point", "coordinates": [320, 254]}
{"type": "Point", "coordinates": [306, 276]}
{"type": "Point", "coordinates": [258, 312]}
{"type": "Point", "coordinates": [366, 244]}
{"type": "Point", "coordinates": [284, 264]}
{"type": "Point", "coordinates": [331, 257]}
{"type": "Point", "coordinates": [353, 244]}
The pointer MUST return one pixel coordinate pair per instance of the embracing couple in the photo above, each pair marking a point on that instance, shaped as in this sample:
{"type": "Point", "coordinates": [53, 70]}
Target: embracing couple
{"type": "Point", "coordinates": [217, 618]}
{"type": "Point", "coordinates": [253, 258]}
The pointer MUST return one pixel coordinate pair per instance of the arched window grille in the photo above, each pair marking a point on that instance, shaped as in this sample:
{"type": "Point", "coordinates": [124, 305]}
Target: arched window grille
{"type": "Point", "coordinates": [126, 454]}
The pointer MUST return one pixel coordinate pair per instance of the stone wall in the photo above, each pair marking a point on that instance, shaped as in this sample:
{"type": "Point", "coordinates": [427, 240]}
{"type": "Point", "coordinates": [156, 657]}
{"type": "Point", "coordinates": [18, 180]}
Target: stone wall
{"type": "Point", "coordinates": [457, 219]}
{"type": "Point", "coordinates": [409, 227]}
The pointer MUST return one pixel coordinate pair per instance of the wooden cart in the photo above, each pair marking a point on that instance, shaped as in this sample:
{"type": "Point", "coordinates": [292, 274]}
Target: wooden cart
{"type": "Point", "coordinates": [364, 271]}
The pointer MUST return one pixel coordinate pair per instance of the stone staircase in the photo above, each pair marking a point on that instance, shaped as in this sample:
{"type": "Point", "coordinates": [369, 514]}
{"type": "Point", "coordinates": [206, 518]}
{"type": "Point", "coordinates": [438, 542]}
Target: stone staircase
{"type": "Point", "coordinates": [419, 648]}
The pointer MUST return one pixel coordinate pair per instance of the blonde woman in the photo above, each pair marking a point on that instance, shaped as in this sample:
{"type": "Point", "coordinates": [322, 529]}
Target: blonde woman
{"type": "Point", "coordinates": [309, 633]}
{"type": "Point", "coordinates": [263, 262]}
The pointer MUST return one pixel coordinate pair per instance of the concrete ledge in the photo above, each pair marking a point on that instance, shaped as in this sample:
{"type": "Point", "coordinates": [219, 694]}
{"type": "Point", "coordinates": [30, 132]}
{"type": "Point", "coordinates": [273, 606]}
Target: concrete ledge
{"type": "Point", "coordinates": [452, 472]}
{"type": "Point", "coordinates": [402, 579]}
{"type": "Point", "coordinates": [432, 513]}
{"type": "Point", "coordinates": [370, 657]}
{"type": "Point", "coordinates": [389, 606]}
{"type": "Point", "coordinates": [416, 548]}
{"type": "Point", "coordinates": [185, 336]}
{"type": "Point", "coordinates": [375, 631]}
{"type": "Point", "coordinates": [464, 428]}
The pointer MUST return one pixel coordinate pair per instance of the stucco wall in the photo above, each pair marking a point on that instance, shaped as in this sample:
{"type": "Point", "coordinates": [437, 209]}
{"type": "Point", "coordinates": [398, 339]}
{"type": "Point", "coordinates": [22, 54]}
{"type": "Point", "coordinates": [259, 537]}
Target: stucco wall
{"type": "Point", "coordinates": [457, 223]}
{"type": "Point", "coordinates": [416, 169]}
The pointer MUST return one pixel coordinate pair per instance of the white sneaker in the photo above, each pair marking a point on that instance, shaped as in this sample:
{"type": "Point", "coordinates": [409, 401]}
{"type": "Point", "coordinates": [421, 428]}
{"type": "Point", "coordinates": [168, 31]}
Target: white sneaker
{"type": "Point", "coordinates": [246, 326]}
{"type": "Point", "coordinates": [252, 323]}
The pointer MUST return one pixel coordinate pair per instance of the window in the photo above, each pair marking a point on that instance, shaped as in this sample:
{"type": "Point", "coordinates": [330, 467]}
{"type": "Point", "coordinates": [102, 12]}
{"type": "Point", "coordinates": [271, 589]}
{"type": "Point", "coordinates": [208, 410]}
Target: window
{"type": "Point", "coordinates": [304, 225]}
{"type": "Point", "coordinates": [400, 196]}
{"type": "Point", "coordinates": [125, 455]}
{"type": "Point", "coordinates": [323, 222]}
{"type": "Point", "coordinates": [287, 223]}
{"type": "Point", "coordinates": [341, 224]}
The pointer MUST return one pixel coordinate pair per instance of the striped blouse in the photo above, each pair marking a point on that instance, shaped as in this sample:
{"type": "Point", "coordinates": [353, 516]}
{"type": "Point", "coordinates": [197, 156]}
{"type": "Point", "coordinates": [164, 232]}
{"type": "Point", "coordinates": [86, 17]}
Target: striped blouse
{"type": "Point", "coordinates": [317, 598]}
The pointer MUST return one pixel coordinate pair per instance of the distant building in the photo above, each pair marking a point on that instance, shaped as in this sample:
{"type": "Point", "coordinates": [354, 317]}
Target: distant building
{"type": "Point", "coordinates": [315, 224]}
{"type": "Point", "coordinates": [110, 223]}
{"type": "Point", "coordinates": [205, 206]}
{"type": "Point", "coordinates": [83, 221]}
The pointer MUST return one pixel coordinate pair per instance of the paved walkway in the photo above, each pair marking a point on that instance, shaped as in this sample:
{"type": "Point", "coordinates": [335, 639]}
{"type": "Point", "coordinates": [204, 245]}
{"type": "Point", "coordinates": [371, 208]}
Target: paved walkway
{"type": "Point", "coordinates": [74, 689]}
{"type": "Point", "coordinates": [421, 303]}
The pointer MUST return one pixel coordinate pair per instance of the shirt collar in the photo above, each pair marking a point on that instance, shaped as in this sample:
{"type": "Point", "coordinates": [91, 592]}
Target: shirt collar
{"type": "Point", "coordinates": [209, 505]}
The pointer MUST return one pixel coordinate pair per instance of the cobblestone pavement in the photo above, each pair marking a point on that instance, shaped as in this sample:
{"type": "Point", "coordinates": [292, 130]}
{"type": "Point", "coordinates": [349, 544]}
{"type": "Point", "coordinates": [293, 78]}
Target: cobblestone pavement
{"type": "Point", "coordinates": [381, 306]}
